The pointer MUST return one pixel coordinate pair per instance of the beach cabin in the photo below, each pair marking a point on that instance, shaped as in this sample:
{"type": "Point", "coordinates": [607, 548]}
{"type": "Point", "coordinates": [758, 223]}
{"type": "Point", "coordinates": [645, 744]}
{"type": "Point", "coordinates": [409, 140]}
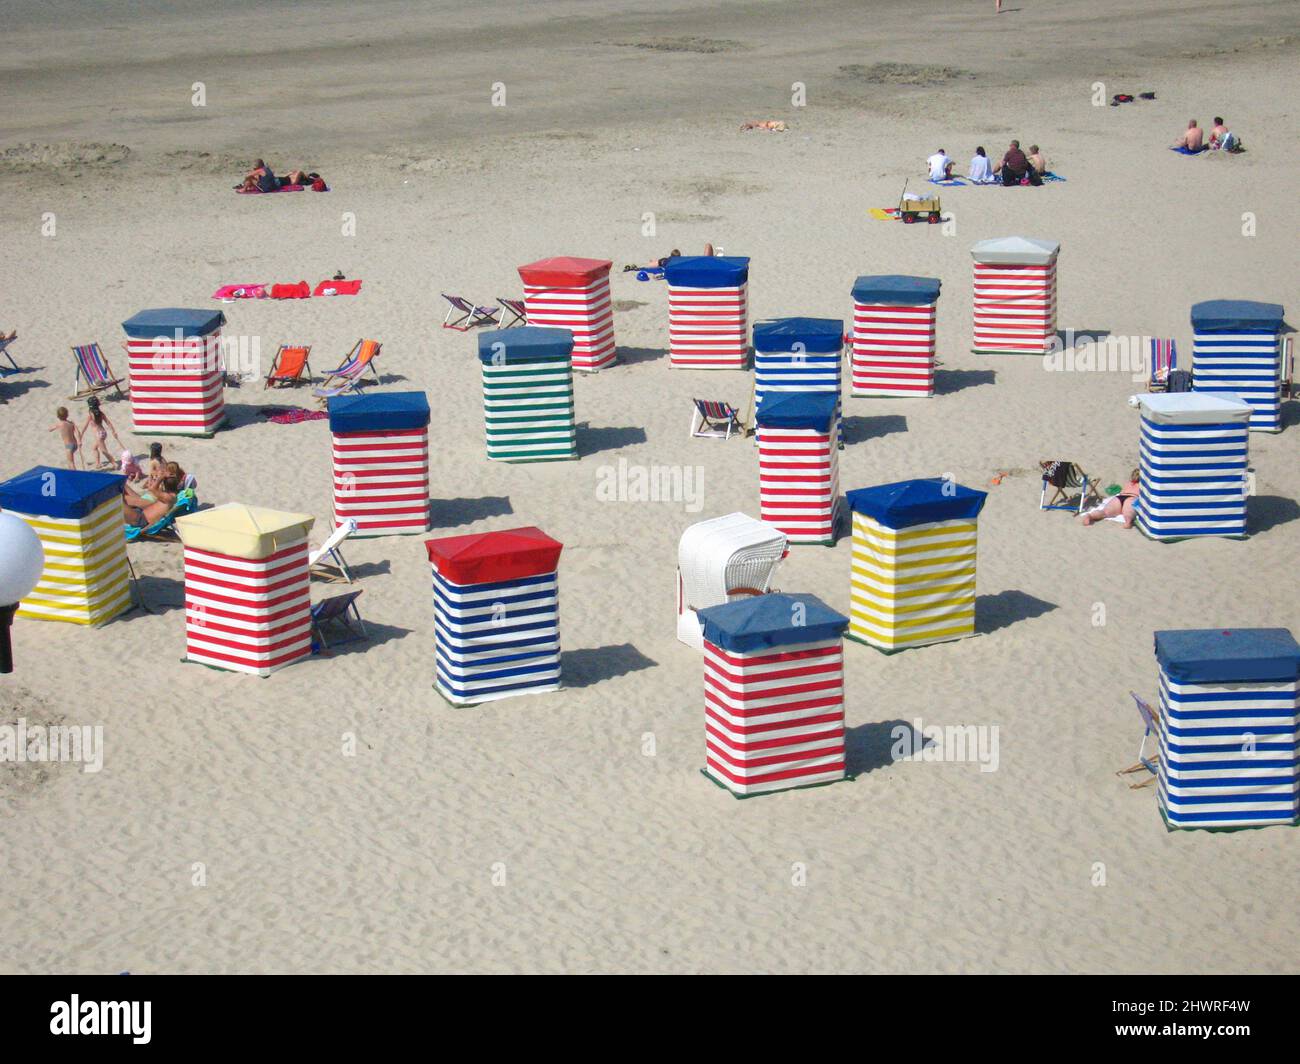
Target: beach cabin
{"type": "Point", "coordinates": [380, 446]}
{"type": "Point", "coordinates": [1237, 352]}
{"type": "Point", "coordinates": [708, 311]}
{"type": "Point", "coordinates": [799, 355]}
{"type": "Point", "coordinates": [1229, 747]}
{"type": "Point", "coordinates": [1192, 462]}
{"type": "Point", "coordinates": [573, 294]}
{"type": "Point", "coordinates": [496, 614]}
{"type": "Point", "coordinates": [175, 367]}
{"type": "Point", "coordinates": [528, 394]}
{"type": "Point", "coordinates": [721, 559]}
{"type": "Point", "coordinates": [798, 465]}
{"type": "Point", "coordinates": [77, 515]}
{"type": "Point", "coordinates": [1015, 296]}
{"type": "Point", "coordinates": [773, 693]}
{"type": "Point", "coordinates": [913, 568]}
{"type": "Point", "coordinates": [247, 594]}
{"type": "Point", "coordinates": [894, 335]}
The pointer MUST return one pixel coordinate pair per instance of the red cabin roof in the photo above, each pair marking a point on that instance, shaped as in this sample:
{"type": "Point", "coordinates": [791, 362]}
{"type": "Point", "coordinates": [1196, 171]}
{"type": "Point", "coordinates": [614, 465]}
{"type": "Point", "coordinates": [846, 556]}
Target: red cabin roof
{"type": "Point", "coordinates": [564, 271]}
{"type": "Point", "coordinates": [490, 557]}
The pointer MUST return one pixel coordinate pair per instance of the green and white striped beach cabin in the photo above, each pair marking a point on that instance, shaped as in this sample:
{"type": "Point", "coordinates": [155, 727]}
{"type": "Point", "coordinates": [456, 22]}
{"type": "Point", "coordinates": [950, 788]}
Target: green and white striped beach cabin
{"type": "Point", "coordinates": [528, 394]}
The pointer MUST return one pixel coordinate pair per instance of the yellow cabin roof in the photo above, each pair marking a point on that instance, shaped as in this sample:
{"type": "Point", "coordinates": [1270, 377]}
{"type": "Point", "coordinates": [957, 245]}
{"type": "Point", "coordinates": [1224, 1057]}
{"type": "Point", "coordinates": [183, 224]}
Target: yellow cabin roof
{"type": "Point", "coordinates": [241, 531]}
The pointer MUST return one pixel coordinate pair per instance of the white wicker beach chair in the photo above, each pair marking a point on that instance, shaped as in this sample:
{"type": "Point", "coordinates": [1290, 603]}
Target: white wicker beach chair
{"type": "Point", "coordinates": [721, 560]}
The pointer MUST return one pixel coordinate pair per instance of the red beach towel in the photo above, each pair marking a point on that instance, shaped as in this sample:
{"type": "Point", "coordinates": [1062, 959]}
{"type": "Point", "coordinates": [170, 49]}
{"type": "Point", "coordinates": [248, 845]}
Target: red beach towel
{"type": "Point", "coordinates": [301, 290]}
{"type": "Point", "coordinates": [259, 192]}
{"type": "Point", "coordinates": [337, 288]}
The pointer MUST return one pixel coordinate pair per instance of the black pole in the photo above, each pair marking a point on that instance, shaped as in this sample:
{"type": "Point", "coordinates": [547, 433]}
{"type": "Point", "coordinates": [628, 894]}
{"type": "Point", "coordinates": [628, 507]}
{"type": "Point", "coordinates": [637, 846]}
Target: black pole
{"type": "Point", "coordinates": [6, 648]}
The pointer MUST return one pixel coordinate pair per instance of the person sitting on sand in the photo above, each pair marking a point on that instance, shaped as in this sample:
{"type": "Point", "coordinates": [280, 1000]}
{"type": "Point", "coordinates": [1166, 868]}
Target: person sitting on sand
{"type": "Point", "coordinates": [1217, 133]}
{"type": "Point", "coordinates": [1037, 160]}
{"type": "Point", "coordinates": [1121, 505]}
{"type": "Point", "coordinates": [1192, 139]}
{"type": "Point", "coordinates": [1015, 167]}
{"type": "Point", "coordinates": [940, 166]}
{"type": "Point", "coordinates": [260, 179]}
{"type": "Point", "coordinates": [981, 170]}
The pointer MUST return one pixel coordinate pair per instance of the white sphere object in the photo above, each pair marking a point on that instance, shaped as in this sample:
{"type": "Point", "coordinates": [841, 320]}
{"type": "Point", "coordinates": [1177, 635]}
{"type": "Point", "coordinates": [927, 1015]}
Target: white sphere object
{"type": "Point", "coordinates": [21, 559]}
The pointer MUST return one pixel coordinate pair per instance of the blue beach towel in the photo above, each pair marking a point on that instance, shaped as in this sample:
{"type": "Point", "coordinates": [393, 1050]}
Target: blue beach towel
{"type": "Point", "coordinates": [952, 182]}
{"type": "Point", "coordinates": [1182, 149]}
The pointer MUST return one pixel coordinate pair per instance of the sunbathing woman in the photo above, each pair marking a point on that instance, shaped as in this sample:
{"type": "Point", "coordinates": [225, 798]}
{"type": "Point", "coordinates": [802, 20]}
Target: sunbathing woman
{"type": "Point", "coordinates": [657, 264]}
{"type": "Point", "coordinates": [141, 511]}
{"type": "Point", "coordinates": [1120, 505]}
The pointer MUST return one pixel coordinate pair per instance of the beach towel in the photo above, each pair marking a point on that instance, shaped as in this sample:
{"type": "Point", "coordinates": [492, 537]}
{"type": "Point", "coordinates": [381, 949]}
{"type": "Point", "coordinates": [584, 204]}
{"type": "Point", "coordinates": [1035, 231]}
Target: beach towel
{"type": "Point", "coordinates": [291, 415]}
{"type": "Point", "coordinates": [259, 192]}
{"type": "Point", "coordinates": [1049, 176]}
{"type": "Point", "coordinates": [883, 214]}
{"type": "Point", "coordinates": [1183, 149]}
{"type": "Point", "coordinates": [230, 292]}
{"type": "Point", "coordinates": [952, 182]}
{"type": "Point", "coordinates": [301, 290]}
{"type": "Point", "coordinates": [337, 288]}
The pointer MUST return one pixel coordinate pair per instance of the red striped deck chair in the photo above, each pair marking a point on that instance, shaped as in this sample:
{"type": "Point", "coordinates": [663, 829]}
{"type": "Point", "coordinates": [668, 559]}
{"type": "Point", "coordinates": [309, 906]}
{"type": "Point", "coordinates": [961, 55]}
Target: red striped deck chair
{"type": "Point", "coordinates": [93, 373]}
{"type": "Point", "coordinates": [470, 314]}
{"type": "Point", "coordinates": [5, 341]}
{"type": "Point", "coordinates": [349, 377]}
{"type": "Point", "coordinates": [1164, 360]}
{"type": "Point", "coordinates": [714, 419]}
{"type": "Point", "coordinates": [517, 311]}
{"type": "Point", "coordinates": [288, 365]}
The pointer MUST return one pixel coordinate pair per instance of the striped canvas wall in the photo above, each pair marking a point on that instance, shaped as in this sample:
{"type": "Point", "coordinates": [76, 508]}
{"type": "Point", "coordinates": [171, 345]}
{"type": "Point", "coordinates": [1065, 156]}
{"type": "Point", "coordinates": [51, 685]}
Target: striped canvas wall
{"type": "Point", "coordinates": [774, 719]}
{"type": "Point", "coordinates": [85, 579]}
{"type": "Point", "coordinates": [912, 586]}
{"type": "Point", "coordinates": [381, 481]}
{"type": "Point", "coordinates": [893, 349]}
{"type": "Point", "coordinates": [528, 411]}
{"type": "Point", "coordinates": [1228, 754]}
{"type": "Point", "coordinates": [1014, 308]}
{"type": "Point", "coordinates": [799, 482]}
{"type": "Point", "coordinates": [708, 328]}
{"type": "Point", "coordinates": [177, 387]}
{"type": "Point", "coordinates": [247, 615]}
{"type": "Point", "coordinates": [1193, 479]}
{"type": "Point", "coordinates": [1246, 365]}
{"type": "Point", "coordinates": [782, 371]}
{"type": "Point", "coordinates": [584, 310]}
{"type": "Point", "coordinates": [498, 639]}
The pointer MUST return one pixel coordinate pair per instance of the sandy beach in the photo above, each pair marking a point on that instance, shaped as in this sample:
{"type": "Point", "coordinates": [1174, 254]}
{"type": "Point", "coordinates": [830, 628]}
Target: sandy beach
{"type": "Point", "coordinates": [228, 832]}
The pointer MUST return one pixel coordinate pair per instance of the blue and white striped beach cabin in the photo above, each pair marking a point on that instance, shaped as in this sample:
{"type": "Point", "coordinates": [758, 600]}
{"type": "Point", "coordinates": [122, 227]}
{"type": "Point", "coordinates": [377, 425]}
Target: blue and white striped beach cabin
{"type": "Point", "coordinates": [1193, 460]}
{"type": "Point", "coordinates": [1228, 717]}
{"type": "Point", "coordinates": [799, 355]}
{"type": "Point", "coordinates": [1236, 350]}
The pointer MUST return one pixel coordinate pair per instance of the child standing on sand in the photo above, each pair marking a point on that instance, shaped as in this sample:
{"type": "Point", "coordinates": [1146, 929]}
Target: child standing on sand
{"type": "Point", "coordinates": [98, 423]}
{"type": "Point", "coordinates": [68, 434]}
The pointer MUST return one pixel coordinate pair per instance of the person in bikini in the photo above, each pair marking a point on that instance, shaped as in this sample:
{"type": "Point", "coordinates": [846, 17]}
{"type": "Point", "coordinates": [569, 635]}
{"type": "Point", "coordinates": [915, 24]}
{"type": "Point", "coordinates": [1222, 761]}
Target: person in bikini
{"type": "Point", "coordinates": [1121, 505]}
{"type": "Point", "coordinates": [98, 423]}
{"type": "Point", "coordinates": [143, 511]}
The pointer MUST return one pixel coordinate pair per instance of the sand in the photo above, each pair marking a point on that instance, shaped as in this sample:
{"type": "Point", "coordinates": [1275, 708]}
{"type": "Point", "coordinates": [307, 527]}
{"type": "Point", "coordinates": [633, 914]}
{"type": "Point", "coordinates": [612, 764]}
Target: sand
{"type": "Point", "coordinates": [227, 831]}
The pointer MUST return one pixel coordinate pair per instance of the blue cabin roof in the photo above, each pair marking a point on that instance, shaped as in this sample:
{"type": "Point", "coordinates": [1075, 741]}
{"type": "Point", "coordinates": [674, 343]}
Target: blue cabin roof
{"type": "Point", "coordinates": [1228, 655]}
{"type": "Point", "coordinates": [817, 335]}
{"type": "Point", "coordinates": [917, 502]}
{"type": "Point", "coordinates": [50, 492]}
{"type": "Point", "coordinates": [529, 343]}
{"type": "Point", "coordinates": [378, 412]}
{"type": "Point", "coordinates": [770, 621]}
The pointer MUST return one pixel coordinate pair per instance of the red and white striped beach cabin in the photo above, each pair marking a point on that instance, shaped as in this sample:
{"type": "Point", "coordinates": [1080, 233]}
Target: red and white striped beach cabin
{"type": "Point", "coordinates": [573, 294]}
{"type": "Point", "coordinates": [381, 462]}
{"type": "Point", "coordinates": [798, 465]}
{"type": "Point", "coordinates": [708, 311]}
{"type": "Point", "coordinates": [174, 363]}
{"type": "Point", "coordinates": [1015, 296]}
{"type": "Point", "coordinates": [894, 335]}
{"type": "Point", "coordinates": [247, 596]}
{"type": "Point", "coordinates": [773, 693]}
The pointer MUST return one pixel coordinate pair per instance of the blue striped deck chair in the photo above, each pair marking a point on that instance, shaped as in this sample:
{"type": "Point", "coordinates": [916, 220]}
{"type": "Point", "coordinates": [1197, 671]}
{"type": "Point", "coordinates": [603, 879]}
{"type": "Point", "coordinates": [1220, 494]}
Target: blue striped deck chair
{"type": "Point", "coordinates": [1145, 762]}
{"type": "Point", "coordinates": [471, 314]}
{"type": "Point", "coordinates": [1164, 360]}
{"type": "Point", "coordinates": [1068, 482]}
{"type": "Point", "coordinates": [93, 369]}
{"type": "Point", "coordinates": [5, 341]}
{"type": "Point", "coordinates": [714, 419]}
{"type": "Point", "coordinates": [350, 376]}
{"type": "Point", "coordinates": [341, 612]}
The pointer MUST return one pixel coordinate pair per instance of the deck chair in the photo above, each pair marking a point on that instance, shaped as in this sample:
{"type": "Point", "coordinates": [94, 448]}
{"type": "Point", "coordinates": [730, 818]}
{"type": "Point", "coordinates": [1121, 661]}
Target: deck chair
{"type": "Point", "coordinates": [1164, 360]}
{"type": "Point", "coordinates": [1148, 763]}
{"type": "Point", "coordinates": [93, 369]}
{"type": "Point", "coordinates": [341, 612]}
{"type": "Point", "coordinates": [8, 356]}
{"type": "Point", "coordinates": [1288, 369]}
{"type": "Point", "coordinates": [331, 551]}
{"type": "Point", "coordinates": [287, 367]}
{"type": "Point", "coordinates": [349, 377]}
{"type": "Point", "coordinates": [714, 419]}
{"type": "Point", "coordinates": [470, 314]}
{"type": "Point", "coordinates": [186, 503]}
{"type": "Point", "coordinates": [517, 311]}
{"type": "Point", "coordinates": [1067, 480]}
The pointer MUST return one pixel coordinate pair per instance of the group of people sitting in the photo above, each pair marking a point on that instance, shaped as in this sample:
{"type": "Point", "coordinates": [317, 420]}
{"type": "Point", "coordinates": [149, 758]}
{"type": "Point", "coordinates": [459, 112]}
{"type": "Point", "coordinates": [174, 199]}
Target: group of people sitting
{"type": "Point", "coordinates": [1221, 138]}
{"type": "Point", "coordinates": [1016, 167]}
{"type": "Point", "coordinates": [262, 179]}
{"type": "Point", "coordinates": [152, 491]}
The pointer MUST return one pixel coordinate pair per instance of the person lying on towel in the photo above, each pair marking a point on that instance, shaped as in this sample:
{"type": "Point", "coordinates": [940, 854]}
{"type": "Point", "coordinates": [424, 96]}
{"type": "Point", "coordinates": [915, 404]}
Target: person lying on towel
{"type": "Point", "coordinates": [1193, 138]}
{"type": "Point", "coordinates": [144, 508]}
{"type": "Point", "coordinates": [1120, 505]}
{"type": "Point", "coordinates": [654, 264]}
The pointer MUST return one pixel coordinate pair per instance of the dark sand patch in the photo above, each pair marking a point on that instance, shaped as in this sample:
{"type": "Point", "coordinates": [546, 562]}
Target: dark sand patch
{"type": "Point", "coordinates": [903, 74]}
{"type": "Point", "coordinates": [695, 45]}
{"type": "Point", "coordinates": [64, 156]}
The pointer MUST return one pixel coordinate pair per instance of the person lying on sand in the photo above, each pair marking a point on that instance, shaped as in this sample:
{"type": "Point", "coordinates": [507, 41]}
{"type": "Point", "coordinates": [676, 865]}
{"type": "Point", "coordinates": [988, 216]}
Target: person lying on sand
{"type": "Point", "coordinates": [1192, 139]}
{"type": "Point", "coordinates": [143, 511]}
{"type": "Point", "coordinates": [656, 264]}
{"type": "Point", "coordinates": [771, 124]}
{"type": "Point", "coordinates": [1120, 505]}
